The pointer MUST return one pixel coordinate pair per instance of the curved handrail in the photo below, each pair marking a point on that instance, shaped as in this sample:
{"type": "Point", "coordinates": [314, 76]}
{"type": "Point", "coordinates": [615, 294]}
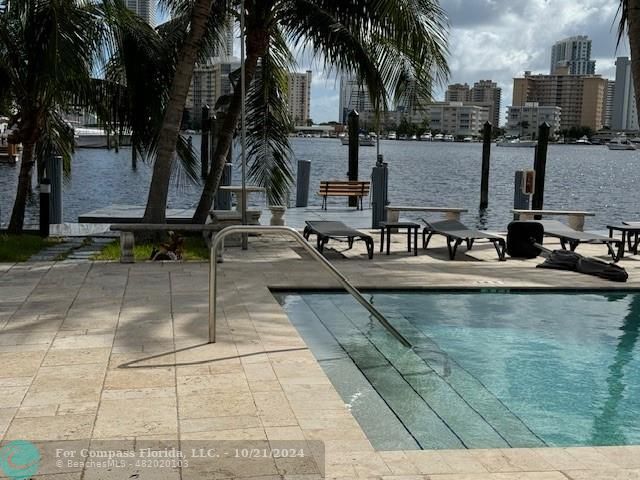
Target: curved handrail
{"type": "Point", "coordinates": [219, 238]}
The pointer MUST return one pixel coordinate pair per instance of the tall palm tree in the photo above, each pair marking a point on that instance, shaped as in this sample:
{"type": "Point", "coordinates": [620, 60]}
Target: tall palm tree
{"type": "Point", "coordinates": [629, 23]}
{"type": "Point", "coordinates": [47, 52]}
{"type": "Point", "coordinates": [384, 43]}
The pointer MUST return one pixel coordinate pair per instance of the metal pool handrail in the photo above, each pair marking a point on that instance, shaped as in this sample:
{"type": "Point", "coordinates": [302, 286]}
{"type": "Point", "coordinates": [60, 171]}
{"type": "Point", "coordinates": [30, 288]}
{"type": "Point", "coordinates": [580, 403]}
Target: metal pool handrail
{"type": "Point", "coordinates": [276, 230]}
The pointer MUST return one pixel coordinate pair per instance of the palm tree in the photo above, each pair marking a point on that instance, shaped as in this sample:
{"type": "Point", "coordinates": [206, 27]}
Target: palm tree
{"type": "Point", "coordinates": [47, 52]}
{"type": "Point", "coordinates": [387, 46]}
{"type": "Point", "coordinates": [629, 16]}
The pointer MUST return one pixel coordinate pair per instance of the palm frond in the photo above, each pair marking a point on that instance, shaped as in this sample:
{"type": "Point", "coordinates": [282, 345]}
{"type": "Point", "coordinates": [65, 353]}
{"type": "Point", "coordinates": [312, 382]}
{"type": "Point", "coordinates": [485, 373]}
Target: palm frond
{"type": "Point", "coordinates": [268, 123]}
{"type": "Point", "coordinates": [623, 20]}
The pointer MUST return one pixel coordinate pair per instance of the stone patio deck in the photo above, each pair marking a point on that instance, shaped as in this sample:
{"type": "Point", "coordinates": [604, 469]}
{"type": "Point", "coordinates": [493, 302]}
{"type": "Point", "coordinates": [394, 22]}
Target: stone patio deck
{"type": "Point", "coordinates": [103, 351]}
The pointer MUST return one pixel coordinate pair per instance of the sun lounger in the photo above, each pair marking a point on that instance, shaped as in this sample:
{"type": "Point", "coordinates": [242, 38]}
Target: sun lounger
{"type": "Point", "coordinates": [456, 232]}
{"type": "Point", "coordinates": [330, 230]}
{"type": "Point", "coordinates": [572, 238]}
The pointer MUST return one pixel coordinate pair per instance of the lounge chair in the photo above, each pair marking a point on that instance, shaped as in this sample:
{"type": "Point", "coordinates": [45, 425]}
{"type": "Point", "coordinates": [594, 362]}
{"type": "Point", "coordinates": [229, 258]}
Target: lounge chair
{"type": "Point", "coordinates": [572, 238]}
{"type": "Point", "coordinates": [456, 233]}
{"type": "Point", "coordinates": [330, 230]}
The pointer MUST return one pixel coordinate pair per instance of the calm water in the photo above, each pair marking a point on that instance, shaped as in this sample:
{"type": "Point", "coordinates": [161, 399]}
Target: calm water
{"type": "Point", "coordinates": [488, 369]}
{"type": "Point", "coordinates": [421, 173]}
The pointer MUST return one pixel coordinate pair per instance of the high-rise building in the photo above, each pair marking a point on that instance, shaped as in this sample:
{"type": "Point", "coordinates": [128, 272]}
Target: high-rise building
{"type": "Point", "coordinates": [581, 97]}
{"type": "Point", "coordinates": [575, 53]}
{"type": "Point", "coordinates": [144, 8]}
{"type": "Point", "coordinates": [209, 82]}
{"type": "Point", "coordinates": [486, 92]}
{"type": "Point", "coordinates": [353, 96]}
{"type": "Point", "coordinates": [624, 114]}
{"type": "Point", "coordinates": [458, 92]}
{"type": "Point", "coordinates": [299, 97]}
{"type": "Point", "coordinates": [524, 120]}
{"type": "Point", "coordinates": [607, 110]}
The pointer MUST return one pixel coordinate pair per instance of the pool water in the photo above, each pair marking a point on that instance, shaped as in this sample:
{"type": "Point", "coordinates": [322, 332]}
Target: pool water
{"type": "Point", "coordinates": [487, 370]}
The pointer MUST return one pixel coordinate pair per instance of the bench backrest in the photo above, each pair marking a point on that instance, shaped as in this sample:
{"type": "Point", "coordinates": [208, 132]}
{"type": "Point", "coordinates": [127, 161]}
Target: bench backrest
{"type": "Point", "coordinates": [344, 186]}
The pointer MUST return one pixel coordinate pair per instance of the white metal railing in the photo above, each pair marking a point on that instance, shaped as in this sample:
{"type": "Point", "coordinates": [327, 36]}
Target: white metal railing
{"type": "Point", "coordinates": [277, 230]}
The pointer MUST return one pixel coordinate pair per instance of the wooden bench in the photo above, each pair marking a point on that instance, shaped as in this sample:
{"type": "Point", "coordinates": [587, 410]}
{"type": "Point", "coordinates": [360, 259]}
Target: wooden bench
{"type": "Point", "coordinates": [127, 230]}
{"type": "Point", "coordinates": [344, 188]}
{"type": "Point", "coordinates": [393, 212]}
{"type": "Point", "coordinates": [575, 219]}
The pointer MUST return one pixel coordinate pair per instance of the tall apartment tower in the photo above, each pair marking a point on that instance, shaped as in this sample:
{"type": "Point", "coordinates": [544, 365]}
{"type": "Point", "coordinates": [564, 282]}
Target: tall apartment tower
{"type": "Point", "coordinates": [458, 92]}
{"type": "Point", "coordinates": [607, 111]}
{"type": "Point", "coordinates": [353, 96]}
{"type": "Point", "coordinates": [575, 53]}
{"type": "Point", "coordinates": [299, 97]}
{"type": "Point", "coordinates": [488, 93]}
{"type": "Point", "coordinates": [144, 8]}
{"type": "Point", "coordinates": [624, 115]}
{"type": "Point", "coordinates": [581, 97]}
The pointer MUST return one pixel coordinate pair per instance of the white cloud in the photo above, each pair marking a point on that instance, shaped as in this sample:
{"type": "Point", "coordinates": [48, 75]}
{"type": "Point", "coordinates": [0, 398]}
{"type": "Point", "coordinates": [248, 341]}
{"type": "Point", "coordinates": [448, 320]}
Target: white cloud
{"type": "Point", "coordinates": [500, 39]}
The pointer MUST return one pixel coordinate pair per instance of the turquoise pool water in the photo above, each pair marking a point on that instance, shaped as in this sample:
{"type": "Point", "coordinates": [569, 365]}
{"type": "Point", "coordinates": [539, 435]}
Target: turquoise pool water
{"type": "Point", "coordinates": [488, 370]}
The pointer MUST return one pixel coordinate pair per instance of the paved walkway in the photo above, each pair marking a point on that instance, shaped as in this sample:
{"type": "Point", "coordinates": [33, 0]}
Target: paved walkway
{"type": "Point", "coordinates": [108, 356]}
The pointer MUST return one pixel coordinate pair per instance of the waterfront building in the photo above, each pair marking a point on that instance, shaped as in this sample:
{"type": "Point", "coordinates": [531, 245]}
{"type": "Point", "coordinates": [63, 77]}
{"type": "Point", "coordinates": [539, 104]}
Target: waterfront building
{"type": "Point", "coordinates": [353, 96]}
{"type": "Point", "coordinates": [487, 93]}
{"type": "Point", "coordinates": [524, 120]}
{"type": "Point", "coordinates": [458, 92]}
{"type": "Point", "coordinates": [607, 111]}
{"type": "Point", "coordinates": [457, 118]}
{"type": "Point", "coordinates": [574, 53]}
{"type": "Point", "coordinates": [299, 97]}
{"type": "Point", "coordinates": [624, 114]}
{"type": "Point", "coordinates": [209, 82]}
{"type": "Point", "coordinates": [581, 97]}
{"type": "Point", "coordinates": [145, 9]}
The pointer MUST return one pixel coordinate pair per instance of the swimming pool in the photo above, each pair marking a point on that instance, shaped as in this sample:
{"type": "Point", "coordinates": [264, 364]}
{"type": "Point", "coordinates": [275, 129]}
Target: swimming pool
{"type": "Point", "coordinates": [488, 370]}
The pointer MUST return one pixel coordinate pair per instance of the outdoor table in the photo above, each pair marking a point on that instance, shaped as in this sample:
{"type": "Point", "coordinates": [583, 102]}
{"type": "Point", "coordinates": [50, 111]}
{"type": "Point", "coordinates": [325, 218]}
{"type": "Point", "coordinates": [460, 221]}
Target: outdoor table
{"type": "Point", "coordinates": [237, 190]}
{"type": "Point", "coordinates": [627, 231]}
{"type": "Point", "coordinates": [388, 227]}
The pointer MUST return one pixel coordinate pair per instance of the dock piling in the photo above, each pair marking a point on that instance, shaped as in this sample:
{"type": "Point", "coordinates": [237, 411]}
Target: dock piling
{"type": "Point", "coordinates": [486, 164]}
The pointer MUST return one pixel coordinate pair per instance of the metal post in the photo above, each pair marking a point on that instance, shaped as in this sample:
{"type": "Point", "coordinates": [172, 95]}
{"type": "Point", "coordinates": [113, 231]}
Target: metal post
{"type": "Point", "coordinates": [266, 230]}
{"type": "Point", "coordinates": [204, 142]}
{"type": "Point", "coordinates": [134, 158]}
{"type": "Point", "coordinates": [222, 200]}
{"type": "Point", "coordinates": [379, 194]}
{"type": "Point", "coordinates": [214, 131]}
{"type": "Point", "coordinates": [54, 177]}
{"type": "Point", "coordinates": [354, 145]}
{"type": "Point", "coordinates": [45, 191]}
{"type": "Point", "coordinates": [540, 166]}
{"type": "Point", "coordinates": [486, 163]}
{"type": "Point", "coordinates": [302, 183]}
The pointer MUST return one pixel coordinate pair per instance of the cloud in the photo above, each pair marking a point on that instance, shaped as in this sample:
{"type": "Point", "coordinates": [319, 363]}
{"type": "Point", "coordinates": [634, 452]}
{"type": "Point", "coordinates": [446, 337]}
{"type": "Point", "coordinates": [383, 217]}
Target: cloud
{"type": "Point", "coordinates": [500, 39]}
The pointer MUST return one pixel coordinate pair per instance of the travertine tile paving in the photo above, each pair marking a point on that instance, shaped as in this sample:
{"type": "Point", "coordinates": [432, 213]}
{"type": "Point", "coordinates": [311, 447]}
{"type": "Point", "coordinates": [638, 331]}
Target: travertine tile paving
{"type": "Point", "coordinates": [109, 351]}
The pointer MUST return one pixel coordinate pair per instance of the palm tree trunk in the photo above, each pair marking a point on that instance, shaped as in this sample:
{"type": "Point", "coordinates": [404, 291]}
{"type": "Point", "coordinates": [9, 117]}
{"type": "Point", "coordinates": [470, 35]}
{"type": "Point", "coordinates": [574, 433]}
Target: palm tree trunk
{"type": "Point", "coordinates": [634, 44]}
{"type": "Point", "coordinates": [225, 140]}
{"type": "Point", "coordinates": [155, 211]}
{"type": "Point", "coordinates": [16, 223]}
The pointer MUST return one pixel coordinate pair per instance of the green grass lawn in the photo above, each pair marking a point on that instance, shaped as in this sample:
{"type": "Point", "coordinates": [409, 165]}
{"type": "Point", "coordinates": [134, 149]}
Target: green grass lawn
{"type": "Point", "coordinates": [19, 248]}
{"type": "Point", "coordinates": [195, 249]}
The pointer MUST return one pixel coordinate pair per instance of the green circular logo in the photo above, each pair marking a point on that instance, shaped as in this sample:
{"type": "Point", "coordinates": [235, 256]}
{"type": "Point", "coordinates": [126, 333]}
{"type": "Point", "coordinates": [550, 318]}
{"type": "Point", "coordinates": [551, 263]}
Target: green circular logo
{"type": "Point", "coordinates": [19, 460]}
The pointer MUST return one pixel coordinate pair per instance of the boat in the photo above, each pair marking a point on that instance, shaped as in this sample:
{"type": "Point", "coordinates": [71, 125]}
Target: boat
{"type": "Point", "coordinates": [620, 144]}
{"type": "Point", "coordinates": [392, 136]}
{"type": "Point", "coordinates": [448, 138]}
{"type": "Point", "coordinates": [583, 141]}
{"type": "Point", "coordinates": [438, 137]}
{"type": "Point", "coordinates": [516, 142]}
{"type": "Point", "coordinates": [363, 141]}
{"type": "Point", "coordinates": [426, 137]}
{"type": "Point", "coordinates": [414, 137]}
{"type": "Point", "coordinates": [86, 137]}
{"type": "Point", "coordinates": [468, 139]}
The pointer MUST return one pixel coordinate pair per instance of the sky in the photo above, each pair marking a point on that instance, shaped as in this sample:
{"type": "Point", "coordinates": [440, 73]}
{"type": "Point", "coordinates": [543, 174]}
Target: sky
{"type": "Point", "coordinates": [499, 39]}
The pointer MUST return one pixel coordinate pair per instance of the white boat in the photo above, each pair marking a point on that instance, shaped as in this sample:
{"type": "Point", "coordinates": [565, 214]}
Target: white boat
{"type": "Point", "coordinates": [426, 137]}
{"type": "Point", "coordinates": [448, 138]}
{"type": "Point", "coordinates": [414, 137]}
{"type": "Point", "coordinates": [583, 141]}
{"type": "Point", "coordinates": [363, 140]}
{"type": "Point", "coordinates": [516, 142]}
{"type": "Point", "coordinates": [86, 137]}
{"type": "Point", "coordinates": [620, 144]}
{"type": "Point", "coordinates": [438, 137]}
{"type": "Point", "coordinates": [392, 136]}
{"type": "Point", "coordinates": [468, 139]}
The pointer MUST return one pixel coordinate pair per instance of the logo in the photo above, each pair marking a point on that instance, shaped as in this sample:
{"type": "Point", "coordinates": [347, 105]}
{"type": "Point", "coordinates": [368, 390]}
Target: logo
{"type": "Point", "coordinates": [19, 460]}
